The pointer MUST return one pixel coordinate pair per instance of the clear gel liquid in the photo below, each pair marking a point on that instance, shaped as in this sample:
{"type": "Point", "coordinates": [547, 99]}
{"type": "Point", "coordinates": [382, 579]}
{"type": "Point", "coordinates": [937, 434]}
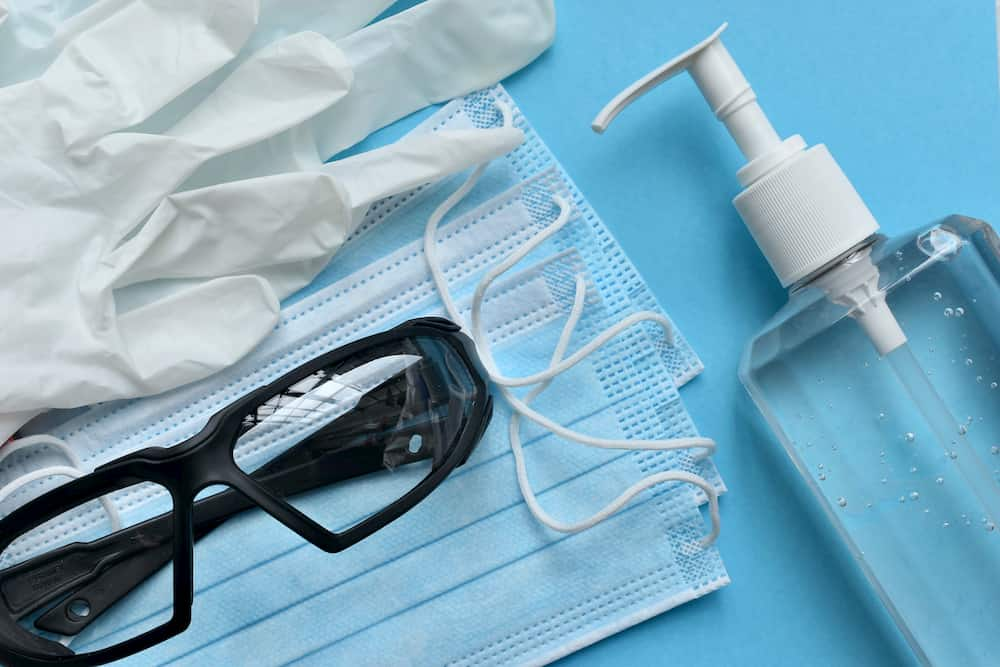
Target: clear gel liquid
{"type": "Point", "coordinates": [950, 436]}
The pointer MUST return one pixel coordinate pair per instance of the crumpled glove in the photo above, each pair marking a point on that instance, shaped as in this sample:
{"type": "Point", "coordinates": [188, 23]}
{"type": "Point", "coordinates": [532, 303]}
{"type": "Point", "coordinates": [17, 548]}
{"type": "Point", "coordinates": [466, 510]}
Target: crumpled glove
{"type": "Point", "coordinates": [134, 262]}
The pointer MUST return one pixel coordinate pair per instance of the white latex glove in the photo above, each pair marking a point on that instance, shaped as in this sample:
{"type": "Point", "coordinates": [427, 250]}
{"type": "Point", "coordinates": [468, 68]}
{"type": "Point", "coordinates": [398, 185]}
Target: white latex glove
{"type": "Point", "coordinates": [91, 211]}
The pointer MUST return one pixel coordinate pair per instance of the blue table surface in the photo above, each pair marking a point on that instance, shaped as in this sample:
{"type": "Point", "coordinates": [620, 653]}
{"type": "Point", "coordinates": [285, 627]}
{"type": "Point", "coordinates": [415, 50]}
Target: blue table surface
{"type": "Point", "coordinates": [905, 95]}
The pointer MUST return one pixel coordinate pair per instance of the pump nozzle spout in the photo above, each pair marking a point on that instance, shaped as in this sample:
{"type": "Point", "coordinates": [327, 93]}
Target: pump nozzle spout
{"type": "Point", "coordinates": [724, 87]}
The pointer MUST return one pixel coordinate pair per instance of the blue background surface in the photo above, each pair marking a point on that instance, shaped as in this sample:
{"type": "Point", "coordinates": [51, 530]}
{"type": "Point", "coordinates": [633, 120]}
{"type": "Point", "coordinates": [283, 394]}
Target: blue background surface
{"type": "Point", "coordinates": [905, 95]}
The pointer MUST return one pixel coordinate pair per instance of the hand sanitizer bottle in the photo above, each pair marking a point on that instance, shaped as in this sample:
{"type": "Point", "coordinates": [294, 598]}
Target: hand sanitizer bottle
{"type": "Point", "coordinates": [879, 376]}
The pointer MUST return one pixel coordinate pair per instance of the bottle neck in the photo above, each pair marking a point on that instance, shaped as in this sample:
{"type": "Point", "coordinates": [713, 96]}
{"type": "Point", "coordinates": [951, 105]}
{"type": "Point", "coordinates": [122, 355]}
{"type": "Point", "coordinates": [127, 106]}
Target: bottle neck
{"type": "Point", "coordinates": [834, 263]}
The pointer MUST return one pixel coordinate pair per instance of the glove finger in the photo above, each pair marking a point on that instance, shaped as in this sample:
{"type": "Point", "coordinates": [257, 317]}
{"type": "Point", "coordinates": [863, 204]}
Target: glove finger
{"type": "Point", "coordinates": [241, 226]}
{"type": "Point", "coordinates": [281, 86]}
{"type": "Point", "coordinates": [193, 333]}
{"type": "Point", "coordinates": [302, 74]}
{"type": "Point", "coordinates": [433, 52]}
{"type": "Point", "coordinates": [417, 159]}
{"type": "Point", "coordinates": [236, 228]}
{"type": "Point", "coordinates": [43, 28]}
{"type": "Point", "coordinates": [118, 72]}
{"type": "Point", "coordinates": [279, 19]}
{"type": "Point", "coordinates": [185, 335]}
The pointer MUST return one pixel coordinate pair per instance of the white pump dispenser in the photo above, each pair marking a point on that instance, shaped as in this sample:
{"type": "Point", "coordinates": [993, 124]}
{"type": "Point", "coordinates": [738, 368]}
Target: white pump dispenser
{"type": "Point", "coordinates": [877, 442]}
{"type": "Point", "coordinates": [797, 202]}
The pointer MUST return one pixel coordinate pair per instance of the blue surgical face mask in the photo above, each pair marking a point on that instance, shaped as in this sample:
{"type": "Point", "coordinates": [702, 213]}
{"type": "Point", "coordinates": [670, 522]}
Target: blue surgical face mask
{"type": "Point", "coordinates": [468, 576]}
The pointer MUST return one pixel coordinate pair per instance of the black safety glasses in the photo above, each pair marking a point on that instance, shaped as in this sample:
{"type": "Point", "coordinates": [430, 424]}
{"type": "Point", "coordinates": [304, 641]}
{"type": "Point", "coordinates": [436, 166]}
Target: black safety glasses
{"type": "Point", "coordinates": [335, 450]}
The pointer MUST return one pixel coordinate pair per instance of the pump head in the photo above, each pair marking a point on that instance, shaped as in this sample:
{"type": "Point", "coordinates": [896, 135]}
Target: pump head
{"type": "Point", "coordinates": [724, 87]}
{"type": "Point", "coordinates": [797, 202]}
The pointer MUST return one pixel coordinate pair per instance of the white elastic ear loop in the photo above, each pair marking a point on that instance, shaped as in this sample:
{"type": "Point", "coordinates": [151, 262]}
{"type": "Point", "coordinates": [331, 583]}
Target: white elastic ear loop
{"type": "Point", "coordinates": [74, 470]}
{"type": "Point", "coordinates": [514, 431]}
{"type": "Point", "coordinates": [555, 369]}
{"type": "Point", "coordinates": [558, 366]}
{"type": "Point", "coordinates": [430, 231]}
{"type": "Point", "coordinates": [430, 242]}
{"type": "Point", "coordinates": [485, 350]}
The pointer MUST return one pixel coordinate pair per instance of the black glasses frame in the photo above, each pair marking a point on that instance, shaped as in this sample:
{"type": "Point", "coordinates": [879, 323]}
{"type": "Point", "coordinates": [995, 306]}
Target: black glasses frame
{"type": "Point", "coordinates": [206, 459]}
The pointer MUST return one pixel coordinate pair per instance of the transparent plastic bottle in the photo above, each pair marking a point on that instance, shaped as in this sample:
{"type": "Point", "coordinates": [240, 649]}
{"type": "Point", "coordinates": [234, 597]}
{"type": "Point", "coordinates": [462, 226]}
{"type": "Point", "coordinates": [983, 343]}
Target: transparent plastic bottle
{"type": "Point", "coordinates": [892, 485]}
{"type": "Point", "coordinates": [881, 376]}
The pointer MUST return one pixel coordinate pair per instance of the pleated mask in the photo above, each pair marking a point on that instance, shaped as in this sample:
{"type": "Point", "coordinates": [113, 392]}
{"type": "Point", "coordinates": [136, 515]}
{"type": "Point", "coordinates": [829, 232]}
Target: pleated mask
{"type": "Point", "coordinates": [472, 575]}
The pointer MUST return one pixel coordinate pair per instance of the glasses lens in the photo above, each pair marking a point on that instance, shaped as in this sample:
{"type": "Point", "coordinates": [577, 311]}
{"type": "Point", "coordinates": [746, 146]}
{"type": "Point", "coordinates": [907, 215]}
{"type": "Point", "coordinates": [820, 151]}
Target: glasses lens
{"type": "Point", "coordinates": [357, 435]}
{"type": "Point", "coordinates": [89, 582]}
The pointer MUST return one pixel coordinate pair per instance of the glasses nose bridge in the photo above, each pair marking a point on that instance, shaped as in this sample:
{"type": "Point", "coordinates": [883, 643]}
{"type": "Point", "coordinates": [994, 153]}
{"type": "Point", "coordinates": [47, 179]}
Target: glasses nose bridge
{"type": "Point", "coordinates": [208, 464]}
